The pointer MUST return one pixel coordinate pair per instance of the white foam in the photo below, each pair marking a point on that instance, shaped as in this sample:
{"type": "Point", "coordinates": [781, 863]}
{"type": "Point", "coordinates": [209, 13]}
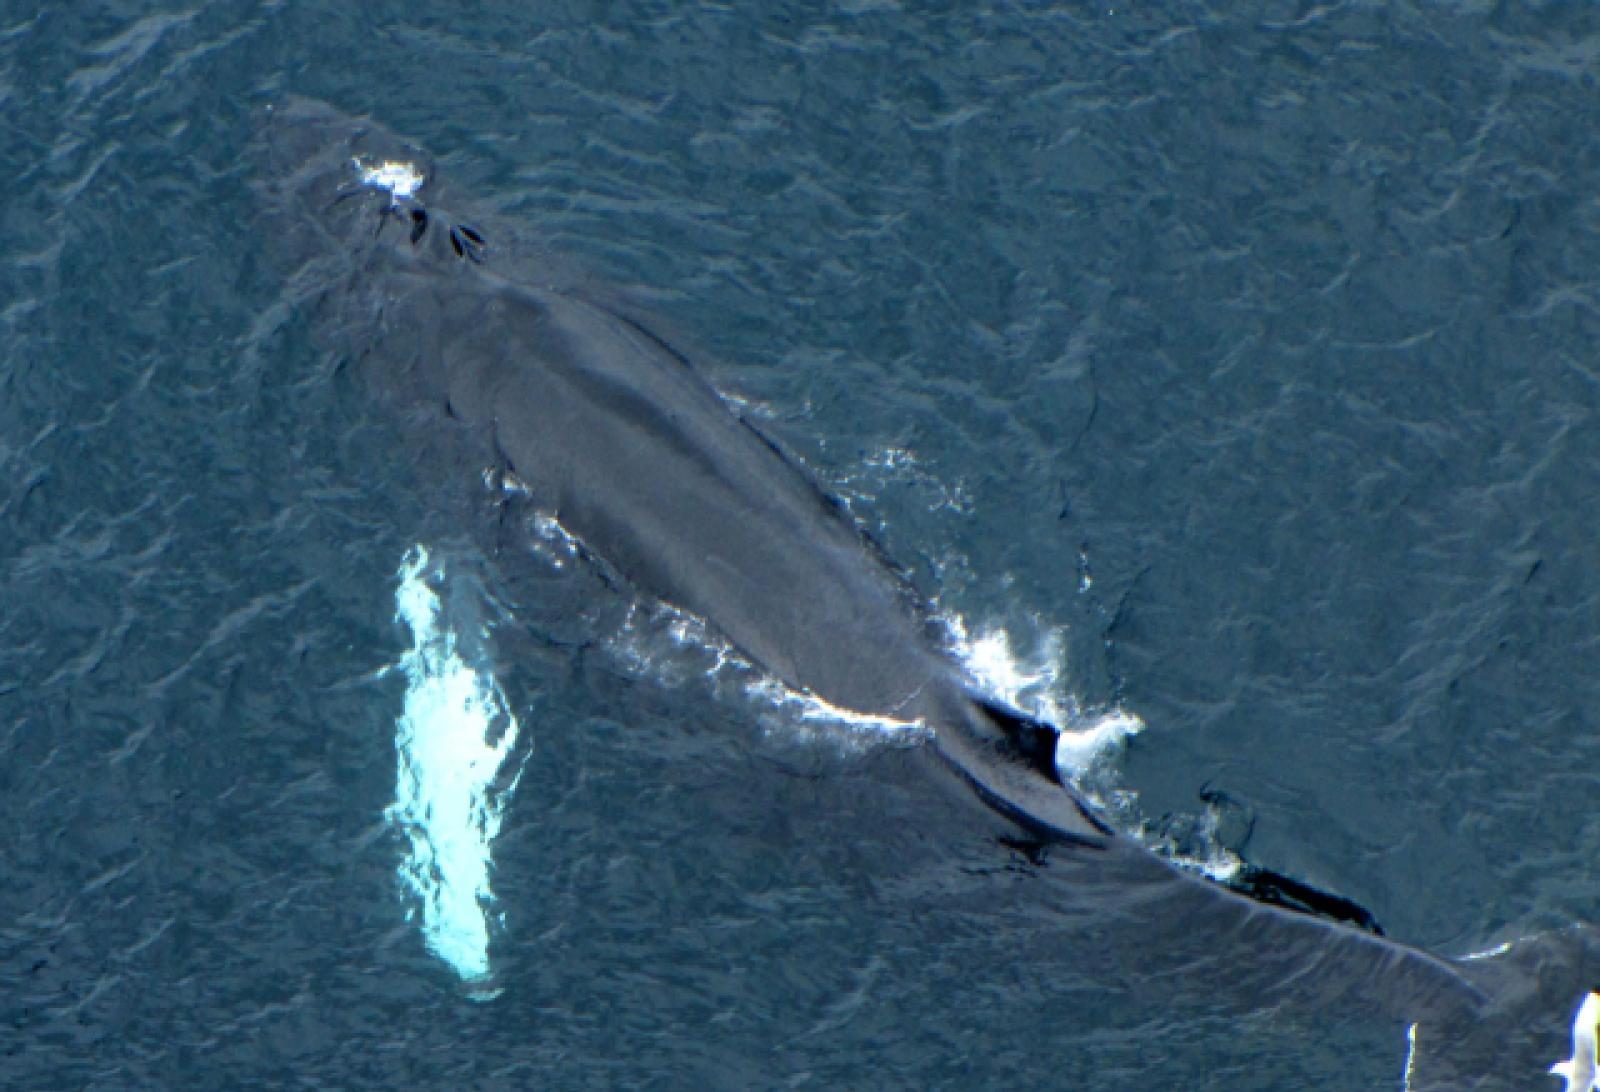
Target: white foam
{"type": "Point", "coordinates": [1078, 751]}
{"type": "Point", "coordinates": [1087, 740]}
{"type": "Point", "coordinates": [1215, 861]}
{"type": "Point", "coordinates": [1190, 842]}
{"type": "Point", "coordinates": [901, 465]}
{"type": "Point", "coordinates": [553, 542]}
{"type": "Point", "coordinates": [653, 637]}
{"type": "Point", "coordinates": [891, 458]}
{"type": "Point", "coordinates": [1027, 684]}
{"type": "Point", "coordinates": [451, 742]}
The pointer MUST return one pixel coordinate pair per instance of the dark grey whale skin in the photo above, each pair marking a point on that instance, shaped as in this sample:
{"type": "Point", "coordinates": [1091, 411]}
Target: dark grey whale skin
{"type": "Point", "coordinates": [633, 452]}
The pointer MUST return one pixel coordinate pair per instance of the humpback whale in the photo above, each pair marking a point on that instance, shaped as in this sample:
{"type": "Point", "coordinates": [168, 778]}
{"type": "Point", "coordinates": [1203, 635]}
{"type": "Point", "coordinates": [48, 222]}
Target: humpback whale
{"type": "Point", "coordinates": [621, 439]}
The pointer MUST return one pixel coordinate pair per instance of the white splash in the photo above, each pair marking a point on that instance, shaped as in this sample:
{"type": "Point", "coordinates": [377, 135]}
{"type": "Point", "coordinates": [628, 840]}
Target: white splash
{"type": "Point", "coordinates": [1027, 685]}
{"type": "Point", "coordinates": [1088, 743]}
{"type": "Point", "coordinates": [1411, 1056]}
{"type": "Point", "coordinates": [1223, 865]}
{"type": "Point", "coordinates": [451, 741]}
{"type": "Point", "coordinates": [402, 180]}
{"type": "Point", "coordinates": [1581, 1072]}
{"type": "Point", "coordinates": [1078, 750]}
{"type": "Point", "coordinates": [1086, 739]}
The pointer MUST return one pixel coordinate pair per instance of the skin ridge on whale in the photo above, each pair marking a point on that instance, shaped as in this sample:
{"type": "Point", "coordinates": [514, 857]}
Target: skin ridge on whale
{"type": "Point", "coordinates": [620, 438]}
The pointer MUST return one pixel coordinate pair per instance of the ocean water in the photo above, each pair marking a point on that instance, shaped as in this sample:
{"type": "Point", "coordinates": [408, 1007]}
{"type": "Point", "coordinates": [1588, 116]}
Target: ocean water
{"type": "Point", "coordinates": [1230, 370]}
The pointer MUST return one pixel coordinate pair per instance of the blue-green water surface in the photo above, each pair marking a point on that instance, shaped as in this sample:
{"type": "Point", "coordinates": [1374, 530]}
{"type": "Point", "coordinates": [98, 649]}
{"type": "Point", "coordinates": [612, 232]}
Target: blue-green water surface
{"type": "Point", "coordinates": [1250, 347]}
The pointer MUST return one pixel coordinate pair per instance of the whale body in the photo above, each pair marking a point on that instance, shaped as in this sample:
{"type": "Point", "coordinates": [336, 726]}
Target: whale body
{"type": "Point", "coordinates": [619, 438]}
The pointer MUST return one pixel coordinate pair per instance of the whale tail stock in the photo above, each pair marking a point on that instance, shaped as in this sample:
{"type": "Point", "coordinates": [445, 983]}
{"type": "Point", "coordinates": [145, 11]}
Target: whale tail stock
{"type": "Point", "coordinates": [1031, 745]}
{"type": "Point", "coordinates": [1526, 1031]}
{"type": "Point", "coordinates": [1489, 1022]}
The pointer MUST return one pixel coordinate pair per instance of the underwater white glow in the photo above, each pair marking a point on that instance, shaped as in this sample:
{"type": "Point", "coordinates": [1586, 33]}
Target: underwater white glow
{"type": "Point", "coordinates": [451, 741]}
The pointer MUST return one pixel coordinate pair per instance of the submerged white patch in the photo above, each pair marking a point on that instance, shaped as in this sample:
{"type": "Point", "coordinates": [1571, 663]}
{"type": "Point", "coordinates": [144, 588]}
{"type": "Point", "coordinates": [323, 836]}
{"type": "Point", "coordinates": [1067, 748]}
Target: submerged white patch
{"type": "Point", "coordinates": [402, 180]}
{"type": "Point", "coordinates": [1581, 1072]}
{"type": "Point", "coordinates": [451, 742]}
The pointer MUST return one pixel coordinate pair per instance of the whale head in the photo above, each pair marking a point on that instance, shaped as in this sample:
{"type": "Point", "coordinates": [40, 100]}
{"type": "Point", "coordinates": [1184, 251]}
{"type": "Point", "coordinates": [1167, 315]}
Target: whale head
{"type": "Point", "coordinates": [333, 182]}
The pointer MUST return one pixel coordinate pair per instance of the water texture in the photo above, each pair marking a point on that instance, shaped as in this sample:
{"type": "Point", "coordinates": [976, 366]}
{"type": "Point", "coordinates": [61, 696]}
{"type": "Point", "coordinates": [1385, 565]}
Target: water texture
{"type": "Point", "coordinates": [1241, 356]}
